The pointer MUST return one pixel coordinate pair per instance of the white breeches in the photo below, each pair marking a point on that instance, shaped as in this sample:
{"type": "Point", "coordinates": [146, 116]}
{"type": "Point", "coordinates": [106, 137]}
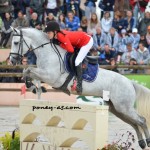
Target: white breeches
{"type": "Point", "coordinates": [83, 52]}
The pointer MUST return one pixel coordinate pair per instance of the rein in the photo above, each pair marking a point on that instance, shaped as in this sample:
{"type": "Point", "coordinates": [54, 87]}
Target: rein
{"type": "Point", "coordinates": [59, 55]}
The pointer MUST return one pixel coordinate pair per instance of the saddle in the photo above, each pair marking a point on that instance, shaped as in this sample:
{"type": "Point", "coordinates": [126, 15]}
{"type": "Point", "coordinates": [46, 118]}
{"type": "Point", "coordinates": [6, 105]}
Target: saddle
{"type": "Point", "coordinates": [89, 66]}
{"type": "Point", "coordinates": [93, 60]}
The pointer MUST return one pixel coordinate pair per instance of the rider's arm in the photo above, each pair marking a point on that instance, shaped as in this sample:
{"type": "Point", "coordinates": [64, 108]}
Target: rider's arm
{"type": "Point", "coordinates": [65, 43]}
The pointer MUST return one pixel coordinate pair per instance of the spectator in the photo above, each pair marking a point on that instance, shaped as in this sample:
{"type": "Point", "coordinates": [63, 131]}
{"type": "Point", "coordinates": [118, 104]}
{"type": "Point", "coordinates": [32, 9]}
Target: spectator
{"type": "Point", "coordinates": [5, 6]}
{"type": "Point", "coordinates": [62, 21]}
{"type": "Point", "coordinates": [34, 22]}
{"type": "Point", "coordinates": [0, 24]}
{"type": "Point", "coordinates": [144, 23]}
{"type": "Point", "coordinates": [31, 57]}
{"type": "Point", "coordinates": [6, 30]}
{"type": "Point", "coordinates": [136, 38]}
{"type": "Point", "coordinates": [50, 17]}
{"type": "Point", "coordinates": [9, 79]}
{"type": "Point", "coordinates": [52, 6]}
{"type": "Point", "coordinates": [99, 39]}
{"type": "Point", "coordinates": [131, 63]}
{"type": "Point", "coordinates": [129, 37]}
{"type": "Point", "coordinates": [122, 44]}
{"type": "Point", "coordinates": [113, 63]}
{"type": "Point", "coordinates": [90, 7]}
{"type": "Point", "coordinates": [112, 39]}
{"type": "Point", "coordinates": [106, 22]}
{"type": "Point", "coordinates": [93, 24]}
{"type": "Point", "coordinates": [138, 6]}
{"type": "Point", "coordinates": [62, 7]}
{"type": "Point", "coordinates": [73, 5]}
{"type": "Point", "coordinates": [28, 13]}
{"type": "Point", "coordinates": [119, 23]}
{"type": "Point", "coordinates": [19, 5]}
{"type": "Point", "coordinates": [80, 29]}
{"type": "Point", "coordinates": [143, 55]}
{"type": "Point", "coordinates": [129, 54]}
{"type": "Point", "coordinates": [21, 21]}
{"type": "Point", "coordinates": [148, 37]}
{"type": "Point", "coordinates": [131, 20]}
{"type": "Point", "coordinates": [143, 40]}
{"type": "Point", "coordinates": [72, 22]}
{"type": "Point", "coordinates": [108, 6]}
{"type": "Point", "coordinates": [106, 55]}
{"type": "Point", "coordinates": [123, 40]}
{"type": "Point", "coordinates": [82, 8]}
{"type": "Point", "coordinates": [122, 6]}
{"type": "Point", "coordinates": [38, 7]}
{"type": "Point", "coordinates": [84, 23]}
{"type": "Point", "coordinates": [23, 62]}
{"type": "Point", "coordinates": [93, 52]}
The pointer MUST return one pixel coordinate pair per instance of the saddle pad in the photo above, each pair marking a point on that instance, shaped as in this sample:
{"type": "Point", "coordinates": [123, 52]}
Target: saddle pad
{"type": "Point", "coordinates": [89, 75]}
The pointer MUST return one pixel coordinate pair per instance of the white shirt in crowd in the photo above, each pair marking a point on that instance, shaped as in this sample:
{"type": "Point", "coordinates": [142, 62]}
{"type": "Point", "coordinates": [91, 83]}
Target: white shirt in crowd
{"type": "Point", "coordinates": [52, 4]}
{"type": "Point", "coordinates": [106, 24]}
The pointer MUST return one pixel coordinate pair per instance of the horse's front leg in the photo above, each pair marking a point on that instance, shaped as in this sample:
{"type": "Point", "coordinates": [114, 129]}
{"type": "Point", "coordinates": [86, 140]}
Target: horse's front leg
{"type": "Point", "coordinates": [33, 73]}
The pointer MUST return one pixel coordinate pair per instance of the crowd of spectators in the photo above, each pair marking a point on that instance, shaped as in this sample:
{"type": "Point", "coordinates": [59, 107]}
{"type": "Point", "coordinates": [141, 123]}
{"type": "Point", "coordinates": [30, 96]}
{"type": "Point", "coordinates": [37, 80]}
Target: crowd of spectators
{"type": "Point", "coordinates": [121, 34]}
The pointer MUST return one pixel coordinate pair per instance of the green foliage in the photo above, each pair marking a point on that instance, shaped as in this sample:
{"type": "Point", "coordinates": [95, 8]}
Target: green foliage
{"type": "Point", "coordinates": [10, 144]}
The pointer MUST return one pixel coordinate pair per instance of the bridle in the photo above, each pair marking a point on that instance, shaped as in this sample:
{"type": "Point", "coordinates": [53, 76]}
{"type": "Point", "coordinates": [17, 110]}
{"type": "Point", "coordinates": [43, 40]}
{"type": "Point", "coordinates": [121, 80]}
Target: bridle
{"type": "Point", "coordinates": [20, 55]}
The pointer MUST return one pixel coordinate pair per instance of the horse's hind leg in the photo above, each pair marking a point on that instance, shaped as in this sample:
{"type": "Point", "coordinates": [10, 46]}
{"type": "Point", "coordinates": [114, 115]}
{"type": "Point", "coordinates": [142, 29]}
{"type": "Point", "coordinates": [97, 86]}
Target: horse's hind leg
{"type": "Point", "coordinates": [131, 115]}
{"type": "Point", "coordinates": [135, 126]}
{"type": "Point", "coordinates": [146, 131]}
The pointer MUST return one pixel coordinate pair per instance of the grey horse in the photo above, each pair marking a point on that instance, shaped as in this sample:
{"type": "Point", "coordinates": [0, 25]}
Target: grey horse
{"type": "Point", "coordinates": [123, 92]}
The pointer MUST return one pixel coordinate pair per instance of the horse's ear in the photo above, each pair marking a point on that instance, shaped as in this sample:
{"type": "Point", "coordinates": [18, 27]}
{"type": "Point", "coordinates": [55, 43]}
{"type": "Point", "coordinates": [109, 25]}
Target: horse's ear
{"type": "Point", "coordinates": [13, 29]}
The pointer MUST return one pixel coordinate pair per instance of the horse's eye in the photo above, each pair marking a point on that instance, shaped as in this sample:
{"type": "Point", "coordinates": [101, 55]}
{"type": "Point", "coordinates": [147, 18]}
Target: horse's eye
{"type": "Point", "coordinates": [16, 43]}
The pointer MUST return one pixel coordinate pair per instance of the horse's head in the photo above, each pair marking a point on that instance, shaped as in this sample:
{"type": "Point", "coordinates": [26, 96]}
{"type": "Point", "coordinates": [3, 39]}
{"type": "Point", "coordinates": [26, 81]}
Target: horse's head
{"type": "Point", "coordinates": [20, 46]}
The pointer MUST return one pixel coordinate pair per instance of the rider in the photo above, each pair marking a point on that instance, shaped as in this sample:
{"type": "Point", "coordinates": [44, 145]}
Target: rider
{"type": "Point", "coordinates": [69, 40]}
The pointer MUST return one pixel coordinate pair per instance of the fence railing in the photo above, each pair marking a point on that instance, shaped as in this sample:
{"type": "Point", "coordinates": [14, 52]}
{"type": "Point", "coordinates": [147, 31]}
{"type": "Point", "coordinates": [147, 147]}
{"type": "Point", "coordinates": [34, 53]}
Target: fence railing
{"type": "Point", "coordinates": [8, 74]}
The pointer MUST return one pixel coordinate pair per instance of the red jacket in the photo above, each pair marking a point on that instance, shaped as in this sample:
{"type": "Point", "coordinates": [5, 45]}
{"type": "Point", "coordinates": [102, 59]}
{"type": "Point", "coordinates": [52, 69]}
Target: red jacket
{"type": "Point", "coordinates": [72, 39]}
{"type": "Point", "coordinates": [132, 3]}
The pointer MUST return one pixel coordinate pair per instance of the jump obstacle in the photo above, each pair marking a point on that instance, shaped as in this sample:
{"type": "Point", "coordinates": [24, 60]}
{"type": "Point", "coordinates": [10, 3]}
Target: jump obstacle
{"type": "Point", "coordinates": [62, 124]}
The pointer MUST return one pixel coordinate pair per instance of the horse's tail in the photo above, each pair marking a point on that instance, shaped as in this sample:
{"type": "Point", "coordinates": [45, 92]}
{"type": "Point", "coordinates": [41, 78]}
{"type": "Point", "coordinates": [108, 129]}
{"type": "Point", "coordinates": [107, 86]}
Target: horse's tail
{"type": "Point", "coordinates": [143, 101]}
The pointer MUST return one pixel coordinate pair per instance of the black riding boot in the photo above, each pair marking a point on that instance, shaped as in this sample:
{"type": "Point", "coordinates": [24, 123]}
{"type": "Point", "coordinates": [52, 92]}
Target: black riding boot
{"type": "Point", "coordinates": [79, 78]}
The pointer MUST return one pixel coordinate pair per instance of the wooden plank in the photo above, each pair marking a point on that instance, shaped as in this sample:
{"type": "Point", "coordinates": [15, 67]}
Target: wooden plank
{"type": "Point", "coordinates": [101, 66]}
{"type": "Point", "coordinates": [19, 90]}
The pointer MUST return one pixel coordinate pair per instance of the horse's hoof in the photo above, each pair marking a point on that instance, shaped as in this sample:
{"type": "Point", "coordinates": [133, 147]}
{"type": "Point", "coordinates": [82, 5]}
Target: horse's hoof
{"type": "Point", "coordinates": [43, 89]}
{"type": "Point", "coordinates": [34, 91]}
{"type": "Point", "coordinates": [28, 82]}
{"type": "Point", "coordinates": [142, 144]}
{"type": "Point", "coordinates": [148, 142]}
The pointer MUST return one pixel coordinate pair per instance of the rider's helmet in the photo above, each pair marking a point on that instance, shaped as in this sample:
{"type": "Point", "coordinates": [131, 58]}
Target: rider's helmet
{"type": "Point", "coordinates": [52, 26]}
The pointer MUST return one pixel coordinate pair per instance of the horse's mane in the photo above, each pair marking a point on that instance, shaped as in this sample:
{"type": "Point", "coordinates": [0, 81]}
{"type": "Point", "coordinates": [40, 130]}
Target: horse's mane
{"type": "Point", "coordinates": [39, 36]}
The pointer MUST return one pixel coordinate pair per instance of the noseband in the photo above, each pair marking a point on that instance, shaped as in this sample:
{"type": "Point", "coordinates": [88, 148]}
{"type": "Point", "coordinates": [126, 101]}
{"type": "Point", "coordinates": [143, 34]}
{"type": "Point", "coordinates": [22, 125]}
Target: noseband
{"type": "Point", "coordinates": [19, 54]}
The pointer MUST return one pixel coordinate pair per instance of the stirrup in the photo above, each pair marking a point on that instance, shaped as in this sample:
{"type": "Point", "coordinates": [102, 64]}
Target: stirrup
{"type": "Point", "coordinates": [79, 88]}
{"type": "Point", "coordinates": [28, 83]}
